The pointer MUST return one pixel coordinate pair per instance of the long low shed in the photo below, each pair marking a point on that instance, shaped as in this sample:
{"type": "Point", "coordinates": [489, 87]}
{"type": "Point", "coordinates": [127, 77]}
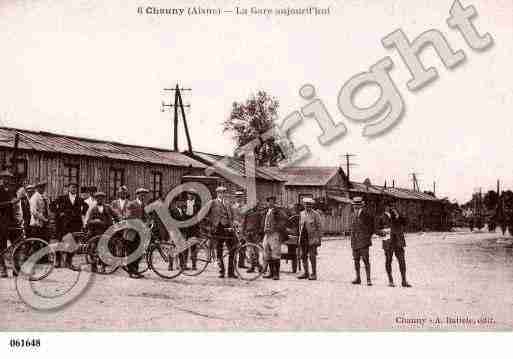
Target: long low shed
{"type": "Point", "coordinates": [60, 159]}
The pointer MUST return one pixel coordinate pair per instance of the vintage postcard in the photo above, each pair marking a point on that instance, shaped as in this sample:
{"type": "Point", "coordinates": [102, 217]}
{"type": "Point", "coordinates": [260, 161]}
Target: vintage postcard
{"type": "Point", "coordinates": [255, 166]}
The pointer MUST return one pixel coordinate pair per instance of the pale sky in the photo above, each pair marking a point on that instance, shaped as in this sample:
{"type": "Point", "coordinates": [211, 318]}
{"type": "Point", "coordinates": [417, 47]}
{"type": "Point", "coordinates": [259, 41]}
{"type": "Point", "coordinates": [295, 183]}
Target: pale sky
{"type": "Point", "coordinates": [97, 69]}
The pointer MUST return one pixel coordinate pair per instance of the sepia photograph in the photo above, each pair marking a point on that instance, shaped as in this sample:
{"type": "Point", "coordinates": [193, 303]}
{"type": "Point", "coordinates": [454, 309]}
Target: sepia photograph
{"type": "Point", "coordinates": [270, 166]}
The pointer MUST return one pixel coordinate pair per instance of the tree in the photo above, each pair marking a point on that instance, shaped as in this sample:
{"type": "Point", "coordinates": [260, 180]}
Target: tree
{"type": "Point", "coordinates": [250, 119]}
{"type": "Point", "coordinates": [491, 199]}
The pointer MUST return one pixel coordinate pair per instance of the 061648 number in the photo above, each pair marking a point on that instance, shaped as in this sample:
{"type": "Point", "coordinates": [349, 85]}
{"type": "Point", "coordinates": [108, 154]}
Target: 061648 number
{"type": "Point", "coordinates": [24, 343]}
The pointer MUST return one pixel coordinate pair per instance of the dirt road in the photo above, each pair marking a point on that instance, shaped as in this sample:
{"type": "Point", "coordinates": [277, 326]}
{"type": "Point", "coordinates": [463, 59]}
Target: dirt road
{"type": "Point", "coordinates": [460, 281]}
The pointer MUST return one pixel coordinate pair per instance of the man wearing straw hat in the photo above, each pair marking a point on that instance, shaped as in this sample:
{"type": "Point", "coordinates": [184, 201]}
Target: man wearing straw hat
{"type": "Point", "coordinates": [362, 230]}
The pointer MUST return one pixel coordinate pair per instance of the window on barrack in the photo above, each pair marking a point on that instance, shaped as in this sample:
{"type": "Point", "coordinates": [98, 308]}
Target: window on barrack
{"type": "Point", "coordinates": [116, 180]}
{"type": "Point", "coordinates": [156, 185]}
{"type": "Point", "coordinates": [71, 174]}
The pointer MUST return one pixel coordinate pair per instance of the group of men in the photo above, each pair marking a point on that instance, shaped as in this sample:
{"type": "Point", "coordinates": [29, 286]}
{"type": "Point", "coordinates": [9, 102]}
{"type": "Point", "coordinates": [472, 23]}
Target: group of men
{"type": "Point", "coordinates": [75, 214]}
{"type": "Point", "coordinates": [72, 214]}
{"type": "Point", "coordinates": [225, 218]}
{"type": "Point", "coordinates": [364, 227]}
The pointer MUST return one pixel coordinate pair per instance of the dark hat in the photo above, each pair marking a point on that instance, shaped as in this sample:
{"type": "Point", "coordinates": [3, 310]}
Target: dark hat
{"type": "Point", "coordinates": [72, 184]}
{"type": "Point", "coordinates": [271, 198]}
{"type": "Point", "coordinates": [358, 200]}
{"type": "Point", "coordinates": [308, 200]}
{"type": "Point", "coordinates": [141, 190]}
{"type": "Point", "coordinates": [41, 183]}
{"type": "Point", "coordinates": [99, 194]}
{"type": "Point", "coordinates": [30, 187]}
{"type": "Point", "coordinates": [6, 173]}
{"type": "Point", "coordinates": [123, 188]}
{"type": "Point", "coordinates": [221, 189]}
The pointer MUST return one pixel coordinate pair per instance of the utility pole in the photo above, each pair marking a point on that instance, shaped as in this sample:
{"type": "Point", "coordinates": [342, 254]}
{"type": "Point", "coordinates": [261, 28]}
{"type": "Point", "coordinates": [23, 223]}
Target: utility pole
{"type": "Point", "coordinates": [178, 104]}
{"type": "Point", "coordinates": [434, 188]}
{"type": "Point", "coordinates": [349, 164]}
{"type": "Point", "coordinates": [415, 181]}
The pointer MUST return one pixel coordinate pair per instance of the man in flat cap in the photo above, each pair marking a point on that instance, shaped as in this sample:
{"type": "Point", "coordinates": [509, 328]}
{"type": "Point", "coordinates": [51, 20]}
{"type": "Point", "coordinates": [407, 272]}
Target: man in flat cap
{"type": "Point", "coordinates": [220, 216]}
{"type": "Point", "coordinates": [69, 210]}
{"type": "Point", "coordinates": [39, 210]}
{"type": "Point", "coordinates": [395, 223]}
{"type": "Point", "coordinates": [362, 230]}
{"type": "Point", "coordinates": [310, 233]}
{"type": "Point", "coordinates": [272, 242]}
{"type": "Point", "coordinates": [135, 210]}
{"type": "Point", "coordinates": [238, 223]}
{"type": "Point", "coordinates": [100, 217]}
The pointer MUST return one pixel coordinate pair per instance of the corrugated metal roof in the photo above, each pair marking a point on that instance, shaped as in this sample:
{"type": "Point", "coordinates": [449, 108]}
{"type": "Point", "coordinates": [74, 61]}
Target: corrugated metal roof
{"type": "Point", "coordinates": [340, 199]}
{"type": "Point", "coordinates": [305, 176]}
{"type": "Point", "coordinates": [237, 165]}
{"type": "Point", "coordinates": [55, 143]}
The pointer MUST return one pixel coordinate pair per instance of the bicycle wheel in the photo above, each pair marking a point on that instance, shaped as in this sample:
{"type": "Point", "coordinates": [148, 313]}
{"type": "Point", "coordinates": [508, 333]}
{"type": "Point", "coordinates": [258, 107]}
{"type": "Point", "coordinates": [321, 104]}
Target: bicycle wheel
{"type": "Point", "coordinates": [95, 259]}
{"type": "Point", "coordinates": [39, 267]}
{"type": "Point", "coordinates": [255, 255]}
{"type": "Point", "coordinates": [164, 261]}
{"type": "Point", "coordinates": [203, 258]}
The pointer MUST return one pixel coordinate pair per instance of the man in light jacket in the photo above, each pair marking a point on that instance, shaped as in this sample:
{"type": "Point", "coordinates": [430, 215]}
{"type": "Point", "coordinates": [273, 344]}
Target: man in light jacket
{"type": "Point", "coordinates": [310, 233]}
{"type": "Point", "coordinates": [39, 211]}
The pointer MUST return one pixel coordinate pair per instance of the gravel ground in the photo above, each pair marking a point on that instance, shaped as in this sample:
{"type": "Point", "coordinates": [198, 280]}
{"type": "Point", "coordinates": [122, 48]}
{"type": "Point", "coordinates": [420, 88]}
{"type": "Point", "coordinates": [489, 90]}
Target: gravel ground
{"type": "Point", "coordinates": [460, 281]}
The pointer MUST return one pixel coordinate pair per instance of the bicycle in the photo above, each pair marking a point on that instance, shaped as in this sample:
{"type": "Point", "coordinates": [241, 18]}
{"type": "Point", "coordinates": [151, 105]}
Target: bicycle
{"type": "Point", "coordinates": [204, 256]}
{"type": "Point", "coordinates": [18, 252]}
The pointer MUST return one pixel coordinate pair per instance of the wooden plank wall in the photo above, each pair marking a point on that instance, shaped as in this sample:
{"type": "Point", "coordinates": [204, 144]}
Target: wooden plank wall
{"type": "Point", "coordinates": [95, 172]}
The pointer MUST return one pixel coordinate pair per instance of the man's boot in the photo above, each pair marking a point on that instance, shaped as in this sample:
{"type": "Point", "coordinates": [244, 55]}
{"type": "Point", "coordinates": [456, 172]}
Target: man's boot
{"type": "Point", "coordinates": [58, 260]}
{"type": "Point", "coordinates": [402, 268]}
{"type": "Point", "coordinates": [388, 268]}
{"type": "Point", "coordinates": [242, 260]}
{"type": "Point", "coordinates": [305, 274]}
{"type": "Point", "coordinates": [313, 260]}
{"type": "Point", "coordinates": [294, 265]}
{"type": "Point", "coordinates": [368, 272]}
{"type": "Point", "coordinates": [358, 279]}
{"type": "Point", "coordinates": [269, 265]}
{"type": "Point", "coordinates": [276, 275]}
{"type": "Point", "coordinates": [3, 268]}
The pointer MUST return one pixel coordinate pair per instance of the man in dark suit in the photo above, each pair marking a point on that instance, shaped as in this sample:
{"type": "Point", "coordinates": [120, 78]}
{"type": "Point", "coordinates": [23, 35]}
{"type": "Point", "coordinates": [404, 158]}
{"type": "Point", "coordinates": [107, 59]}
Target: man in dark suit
{"type": "Point", "coordinates": [135, 210]}
{"type": "Point", "coordinates": [221, 218]}
{"type": "Point", "coordinates": [8, 201]}
{"type": "Point", "coordinates": [393, 220]}
{"type": "Point", "coordinates": [69, 210]}
{"type": "Point", "coordinates": [362, 229]}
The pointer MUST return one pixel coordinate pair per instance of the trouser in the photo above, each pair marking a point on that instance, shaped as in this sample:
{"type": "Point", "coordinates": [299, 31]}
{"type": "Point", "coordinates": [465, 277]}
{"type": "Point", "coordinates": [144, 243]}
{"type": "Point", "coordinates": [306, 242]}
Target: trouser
{"type": "Point", "coordinates": [309, 252]}
{"type": "Point", "coordinates": [399, 254]}
{"type": "Point", "coordinates": [131, 244]}
{"type": "Point", "coordinates": [252, 254]}
{"type": "Point", "coordinates": [3, 246]}
{"type": "Point", "coordinates": [225, 237]}
{"type": "Point", "coordinates": [272, 247]}
{"type": "Point", "coordinates": [6, 235]}
{"type": "Point", "coordinates": [362, 254]}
